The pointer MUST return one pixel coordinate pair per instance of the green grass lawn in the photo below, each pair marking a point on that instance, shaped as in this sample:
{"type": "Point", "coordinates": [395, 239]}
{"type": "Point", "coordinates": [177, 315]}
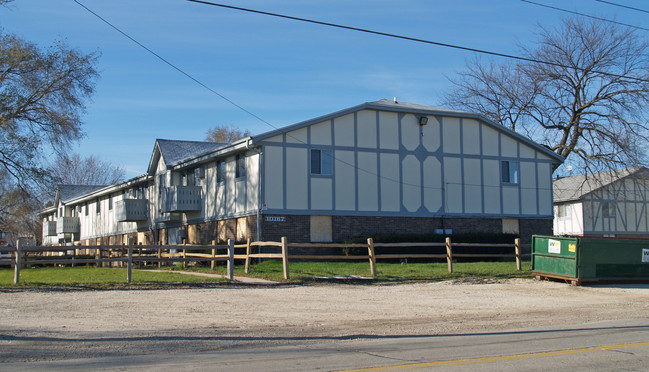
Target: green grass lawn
{"type": "Point", "coordinates": [91, 275]}
{"type": "Point", "coordinates": [271, 270]}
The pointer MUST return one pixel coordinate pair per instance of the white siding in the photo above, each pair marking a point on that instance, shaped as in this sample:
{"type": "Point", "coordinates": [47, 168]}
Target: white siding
{"type": "Point", "coordinates": [451, 130]}
{"type": "Point", "coordinates": [297, 136]}
{"type": "Point", "coordinates": [471, 137]}
{"type": "Point", "coordinates": [321, 194]}
{"type": "Point", "coordinates": [390, 196]}
{"type": "Point", "coordinates": [368, 187]}
{"type": "Point", "coordinates": [489, 141]}
{"type": "Point", "coordinates": [411, 185]}
{"type": "Point", "coordinates": [410, 132]}
{"type": "Point", "coordinates": [344, 130]}
{"type": "Point", "coordinates": [345, 170]}
{"type": "Point", "coordinates": [296, 178]}
{"type": "Point", "coordinates": [453, 184]}
{"type": "Point", "coordinates": [321, 133]}
{"type": "Point", "coordinates": [528, 187]}
{"type": "Point", "coordinates": [388, 130]}
{"type": "Point", "coordinates": [432, 184]}
{"type": "Point", "coordinates": [274, 177]}
{"type": "Point", "coordinates": [472, 186]}
{"type": "Point", "coordinates": [366, 122]}
{"type": "Point", "coordinates": [491, 177]}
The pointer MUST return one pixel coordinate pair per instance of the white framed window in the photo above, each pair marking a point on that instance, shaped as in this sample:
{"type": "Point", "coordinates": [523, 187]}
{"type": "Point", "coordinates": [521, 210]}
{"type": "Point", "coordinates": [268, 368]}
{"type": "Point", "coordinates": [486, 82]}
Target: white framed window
{"type": "Point", "coordinates": [561, 210]}
{"type": "Point", "coordinates": [509, 172]}
{"type": "Point", "coordinates": [321, 162]}
{"type": "Point", "coordinates": [608, 209]}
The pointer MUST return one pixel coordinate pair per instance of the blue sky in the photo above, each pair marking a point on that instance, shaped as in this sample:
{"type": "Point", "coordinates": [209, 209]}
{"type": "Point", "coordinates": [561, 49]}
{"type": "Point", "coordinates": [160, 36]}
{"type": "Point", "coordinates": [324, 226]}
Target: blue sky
{"type": "Point", "coordinates": [283, 71]}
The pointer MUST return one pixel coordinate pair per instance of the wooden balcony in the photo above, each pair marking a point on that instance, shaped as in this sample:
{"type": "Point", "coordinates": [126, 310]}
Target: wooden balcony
{"type": "Point", "coordinates": [49, 228]}
{"type": "Point", "coordinates": [67, 225]}
{"type": "Point", "coordinates": [182, 199]}
{"type": "Point", "coordinates": [131, 210]}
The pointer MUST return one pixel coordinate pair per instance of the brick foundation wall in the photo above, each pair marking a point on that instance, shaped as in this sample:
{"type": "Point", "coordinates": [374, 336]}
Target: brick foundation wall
{"type": "Point", "coordinates": [534, 227]}
{"type": "Point", "coordinates": [297, 228]}
{"type": "Point", "coordinates": [294, 228]}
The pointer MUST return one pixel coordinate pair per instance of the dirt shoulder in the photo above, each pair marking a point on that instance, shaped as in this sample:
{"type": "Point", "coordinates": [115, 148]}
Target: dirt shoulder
{"type": "Point", "coordinates": [54, 325]}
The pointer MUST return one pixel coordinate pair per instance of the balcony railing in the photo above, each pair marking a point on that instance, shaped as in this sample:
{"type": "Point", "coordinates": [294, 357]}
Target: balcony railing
{"type": "Point", "coordinates": [131, 210]}
{"type": "Point", "coordinates": [67, 225]}
{"type": "Point", "coordinates": [182, 199]}
{"type": "Point", "coordinates": [49, 228]}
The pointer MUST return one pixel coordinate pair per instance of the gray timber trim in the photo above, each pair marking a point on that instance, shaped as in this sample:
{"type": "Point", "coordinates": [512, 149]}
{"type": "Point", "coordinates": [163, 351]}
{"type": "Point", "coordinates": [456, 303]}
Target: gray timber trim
{"type": "Point", "coordinates": [405, 108]}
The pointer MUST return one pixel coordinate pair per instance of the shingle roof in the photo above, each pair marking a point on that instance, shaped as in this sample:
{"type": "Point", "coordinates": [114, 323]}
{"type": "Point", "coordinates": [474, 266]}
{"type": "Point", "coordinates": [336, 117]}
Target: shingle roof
{"type": "Point", "coordinates": [391, 104]}
{"type": "Point", "coordinates": [575, 187]}
{"type": "Point", "coordinates": [175, 151]}
{"type": "Point", "coordinates": [69, 192]}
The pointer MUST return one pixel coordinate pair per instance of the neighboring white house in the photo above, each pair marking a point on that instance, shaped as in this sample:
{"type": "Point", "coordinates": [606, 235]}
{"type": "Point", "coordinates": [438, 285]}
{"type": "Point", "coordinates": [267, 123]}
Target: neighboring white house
{"type": "Point", "coordinates": [605, 204]}
{"type": "Point", "coordinates": [380, 167]}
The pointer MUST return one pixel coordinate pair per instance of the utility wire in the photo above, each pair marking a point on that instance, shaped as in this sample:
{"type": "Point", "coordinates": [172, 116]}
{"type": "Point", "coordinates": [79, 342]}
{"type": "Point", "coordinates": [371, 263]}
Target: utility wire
{"type": "Point", "coordinates": [234, 103]}
{"type": "Point", "coordinates": [623, 6]}
{"type": "Point", "coordinates": [174, 66]}
{"type": "Point", "coordinates": [266, 122]}
{"type": "Point", "coordinates": [585, 15]}
{"type": "Point", "coordinates": [481, 51]}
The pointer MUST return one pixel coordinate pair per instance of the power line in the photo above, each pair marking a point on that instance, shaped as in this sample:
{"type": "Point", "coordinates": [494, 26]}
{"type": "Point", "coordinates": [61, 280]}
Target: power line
{"type": "Point", "coordinates": [380, 33]}
{"type": "Point", "coordinates": [174, 66]}
{"type": "Point", "coordinates": [354, 166]}
{"type": "Point", "coordinates": [585, 15]}
{"type": "Point", "coordinates": [623, 6]}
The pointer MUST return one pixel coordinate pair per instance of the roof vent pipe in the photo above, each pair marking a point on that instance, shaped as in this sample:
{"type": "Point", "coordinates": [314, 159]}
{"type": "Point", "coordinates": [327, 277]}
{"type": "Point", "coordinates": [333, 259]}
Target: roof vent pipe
{"type": "Point", "coordinates": [395, 100]}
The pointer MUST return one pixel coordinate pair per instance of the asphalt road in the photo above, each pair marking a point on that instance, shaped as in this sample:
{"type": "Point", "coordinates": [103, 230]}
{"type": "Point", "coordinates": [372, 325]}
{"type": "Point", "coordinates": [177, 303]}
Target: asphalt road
{"type": "Point", "coordinates": [603, 346]}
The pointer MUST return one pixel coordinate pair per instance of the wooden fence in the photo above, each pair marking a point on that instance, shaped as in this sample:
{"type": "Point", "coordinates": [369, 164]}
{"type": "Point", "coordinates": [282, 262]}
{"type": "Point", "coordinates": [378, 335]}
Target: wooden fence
{"type": "Point", "coordinates": [132, 253]}
{"type": "Point", "coordinates": [128, 255]}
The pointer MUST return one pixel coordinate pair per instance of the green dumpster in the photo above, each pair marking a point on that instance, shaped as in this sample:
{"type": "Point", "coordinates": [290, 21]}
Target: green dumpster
{"type": "Point", "coordinates": [592, 260]}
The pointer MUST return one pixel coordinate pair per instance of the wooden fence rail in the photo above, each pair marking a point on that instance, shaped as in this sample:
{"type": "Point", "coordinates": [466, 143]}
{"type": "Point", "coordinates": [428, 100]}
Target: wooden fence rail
{"type": "Point", "coordinates": [187, 253]}
{"type": "Point", "coordinates": [20, 259]}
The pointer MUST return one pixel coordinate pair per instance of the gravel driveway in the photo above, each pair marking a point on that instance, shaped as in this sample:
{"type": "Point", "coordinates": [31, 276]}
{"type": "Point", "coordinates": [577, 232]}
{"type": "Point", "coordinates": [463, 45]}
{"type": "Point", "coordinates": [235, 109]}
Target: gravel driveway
{"type": "Point", "coordinates": [36, 325]}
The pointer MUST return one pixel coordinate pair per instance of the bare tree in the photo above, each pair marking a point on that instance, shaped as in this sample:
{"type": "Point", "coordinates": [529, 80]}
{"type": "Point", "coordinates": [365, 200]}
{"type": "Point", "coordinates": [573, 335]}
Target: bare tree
{"type": "Point", "coordinates": [587, 102]}
{"type": "Point", "coordinates": [76, 170]}
{"type": "Point", "coordinates": [225, 134]}
{"type": "Point", "coordinates": [42, 96]}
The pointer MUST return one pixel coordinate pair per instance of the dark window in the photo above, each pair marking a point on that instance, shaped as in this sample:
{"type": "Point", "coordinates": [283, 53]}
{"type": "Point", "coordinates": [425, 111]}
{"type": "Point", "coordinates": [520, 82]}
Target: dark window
{"type": "Point", "coordinates": [509, 171]}
{"type": "Point", "coordinates": [190, 177]}
{"type": "Point", "coordinates": [98, 204]}
{"type": "Point", "coordinates": [110, 202]}
{"type": "Point", "coordinates": [220, 171]}
{"type": "Point", "coordinates": [241, 166]}
{"type": "Point", "coordinates": [321, 162]}
{"type": "Point", "coordinates": [608, 209]}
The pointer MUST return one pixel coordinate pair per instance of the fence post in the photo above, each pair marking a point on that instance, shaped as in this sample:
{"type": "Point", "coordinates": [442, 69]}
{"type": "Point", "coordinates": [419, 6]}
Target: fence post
{"type": "Point", "coordinates": [517, 251]}
{"type": "Point", "coordinates": [159, 258]}
{"type": "Point", "coordinates": [19, 253]}
{"type": "Point", "coordinates": [230, 259]}
{"type": "Point", "coordinates": [184, 254]}
{"type": "Point", "coordinates": [285, 257]}
{"type": "Point", "coordinates": [370, 249]}
{"type": "Point", "coordinates": [139, 253]}
{"type": "Point", "coordinates": [247, 267]}
{"type": "Point", "coordinates": [449, 254]}
{"type": "Point", "coordinates": [129, 261]}
{"type": "Point", "coordinates": [212, 264]}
